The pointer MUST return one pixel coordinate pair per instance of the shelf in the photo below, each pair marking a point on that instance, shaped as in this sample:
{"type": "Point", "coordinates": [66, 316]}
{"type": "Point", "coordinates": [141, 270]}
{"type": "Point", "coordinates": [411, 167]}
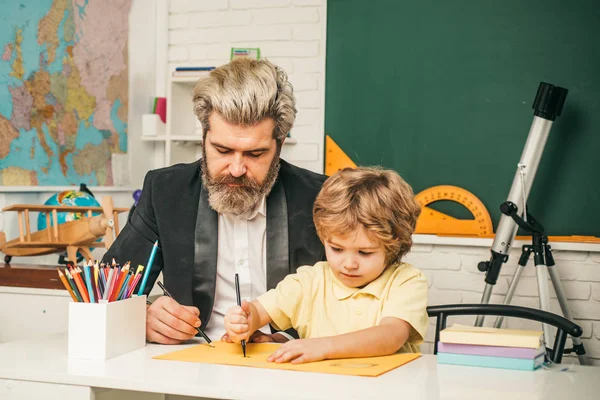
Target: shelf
{"type": "Point", "coordinates": [487, 242]}
{"type": "Point", "coordinates": [185, 138]}
{"type": "Point", "coordinates": [189, 80]}
{"type": "Point", "coordinates": [194, 138]}
{"type": "Point", "coordinates": [153, 138]}
{"type": "Point", "coordinates": [55, 189]}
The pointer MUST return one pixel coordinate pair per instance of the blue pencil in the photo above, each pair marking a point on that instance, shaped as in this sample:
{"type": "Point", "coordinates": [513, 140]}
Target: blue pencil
{"type": "Point", "coordinates": [148, 268]}
{"type": "Point", "coordinates": [88, 281]}
{"type": "Point", "coordinates": [124, 287]}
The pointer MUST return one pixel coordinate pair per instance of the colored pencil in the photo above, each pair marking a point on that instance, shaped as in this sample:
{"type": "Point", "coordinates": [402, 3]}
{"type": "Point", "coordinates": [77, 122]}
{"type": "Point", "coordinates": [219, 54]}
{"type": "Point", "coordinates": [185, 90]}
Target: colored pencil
{"type": "Point", "coordinates": [73, 285]}
{"type": "Point", "coordinates": [108, 283]}
{"type": "Point", "coordinates": [135, 282]}
{"type": "Point", "coordinates": [120, 282]}
{"type": "Point", "coordinates": [88, 281]}
{"type": "Point", "coordinates": [124, 287]}
{"type": "Point", "coordinates": [67, 286]}
{"type": "Point", "coordinates": [96, 283]}
{"type": "Point", "coordinates": [80, 285]}
{"type": "Point", "coordinates": [148, 268]}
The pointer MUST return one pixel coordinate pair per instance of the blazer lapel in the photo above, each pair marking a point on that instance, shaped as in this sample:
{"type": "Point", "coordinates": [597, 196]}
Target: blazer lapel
{"type": "Point", "coordinates": [205, 258]}
{"type": "Point", "coordinates": [278, 262]}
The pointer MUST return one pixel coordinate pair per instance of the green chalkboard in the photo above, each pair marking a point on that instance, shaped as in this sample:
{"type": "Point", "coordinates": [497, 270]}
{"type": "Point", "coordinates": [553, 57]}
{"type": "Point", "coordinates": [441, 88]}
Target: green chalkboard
{"type": "Point", "coordinates": [441, 91]}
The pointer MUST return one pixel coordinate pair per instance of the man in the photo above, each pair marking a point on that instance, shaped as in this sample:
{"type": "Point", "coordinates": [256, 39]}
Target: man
{"type": "Point", "coordinates": [240, 209]}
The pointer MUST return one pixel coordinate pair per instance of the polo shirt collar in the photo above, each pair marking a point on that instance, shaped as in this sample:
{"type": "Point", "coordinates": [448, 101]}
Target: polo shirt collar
{"type": "Point", "coordinates": [374, 288]}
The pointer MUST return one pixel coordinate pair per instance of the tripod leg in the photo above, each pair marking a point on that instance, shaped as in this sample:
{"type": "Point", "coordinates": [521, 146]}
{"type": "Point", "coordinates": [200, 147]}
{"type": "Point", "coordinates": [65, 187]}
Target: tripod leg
{"type": "Point", "coordinates": [485, 299]}
{"type": "Point", "coordinates": [562, 300]}
{"type": "Point", "coordinates": [544, 293]}
{"type": "Point", "coordinates": [511, 291]}
{"type": "Point", "coordinates": [526, 251]}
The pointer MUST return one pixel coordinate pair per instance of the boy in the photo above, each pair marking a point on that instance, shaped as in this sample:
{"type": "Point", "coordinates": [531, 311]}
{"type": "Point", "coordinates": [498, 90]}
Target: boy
{"type": "Point", "coordinates": [363, 301]}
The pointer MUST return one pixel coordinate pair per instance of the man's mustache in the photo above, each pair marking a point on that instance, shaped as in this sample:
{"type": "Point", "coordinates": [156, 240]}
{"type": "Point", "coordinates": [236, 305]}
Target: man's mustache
{"type": "Point", "coordinates": [236, 180]}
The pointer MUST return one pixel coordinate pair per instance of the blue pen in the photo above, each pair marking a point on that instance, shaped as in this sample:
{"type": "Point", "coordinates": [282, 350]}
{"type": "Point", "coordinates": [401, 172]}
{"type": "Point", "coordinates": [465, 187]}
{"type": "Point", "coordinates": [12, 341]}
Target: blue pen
{"type": "Point", "coordinates": [88, 281]}
{"type": "Point", "coordinates": [148, 267]}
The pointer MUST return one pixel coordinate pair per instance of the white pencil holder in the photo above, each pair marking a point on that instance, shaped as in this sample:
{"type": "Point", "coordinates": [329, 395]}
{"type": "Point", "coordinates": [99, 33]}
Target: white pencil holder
{"type": "Point", "coordinates": [99, 331]}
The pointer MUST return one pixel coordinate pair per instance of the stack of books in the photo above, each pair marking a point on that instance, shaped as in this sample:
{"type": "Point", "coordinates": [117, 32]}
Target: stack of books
{"type": "Point", "coordinates": [491, 347]}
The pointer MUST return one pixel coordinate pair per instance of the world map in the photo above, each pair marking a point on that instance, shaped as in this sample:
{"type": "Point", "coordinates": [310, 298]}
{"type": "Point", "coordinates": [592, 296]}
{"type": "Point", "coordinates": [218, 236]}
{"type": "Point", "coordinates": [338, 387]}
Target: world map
{"type": "Point", "coordinates": [63, 90]}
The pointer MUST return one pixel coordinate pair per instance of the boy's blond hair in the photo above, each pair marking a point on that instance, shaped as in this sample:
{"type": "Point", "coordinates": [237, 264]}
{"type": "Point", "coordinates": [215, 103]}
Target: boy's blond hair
{"type": "Point", "coordinates": [245, 92]}
{"type": "Point", "coordinates": [377, 199]}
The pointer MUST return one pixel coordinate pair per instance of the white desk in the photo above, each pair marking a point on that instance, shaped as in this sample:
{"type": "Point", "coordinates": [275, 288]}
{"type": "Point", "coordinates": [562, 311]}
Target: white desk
{"type": "Point", "coordinates": [44, 364]}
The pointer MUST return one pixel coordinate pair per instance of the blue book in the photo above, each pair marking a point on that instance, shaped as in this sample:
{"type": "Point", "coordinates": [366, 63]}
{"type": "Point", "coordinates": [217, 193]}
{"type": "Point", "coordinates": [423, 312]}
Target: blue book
{"type": "Point", "coordinates": [491, 362]}
{"type": "Point", "coordinates": [194, 68]}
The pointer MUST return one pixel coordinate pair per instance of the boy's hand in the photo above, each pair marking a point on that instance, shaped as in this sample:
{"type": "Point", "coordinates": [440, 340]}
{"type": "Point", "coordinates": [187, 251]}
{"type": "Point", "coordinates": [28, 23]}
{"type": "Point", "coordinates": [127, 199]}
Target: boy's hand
{"type": "Point", "coordinates": [259, 337]}
{"type": "Point", "coordinates": [238, 322]}
{"type": "Point", "coordinates": [301, 351]}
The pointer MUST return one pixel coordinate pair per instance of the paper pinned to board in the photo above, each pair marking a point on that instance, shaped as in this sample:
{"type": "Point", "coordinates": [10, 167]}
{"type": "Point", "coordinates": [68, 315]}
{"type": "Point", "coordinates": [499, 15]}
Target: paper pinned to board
{"type": "Point", "coordinates": [231, 354]}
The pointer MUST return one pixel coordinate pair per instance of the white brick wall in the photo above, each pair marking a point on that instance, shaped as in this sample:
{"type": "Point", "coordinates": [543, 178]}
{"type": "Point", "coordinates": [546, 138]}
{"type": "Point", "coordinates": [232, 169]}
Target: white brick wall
{"type": "Point", "coordinates": [290, 33]}
{"type": "Point", "coordinates": [454, 278]}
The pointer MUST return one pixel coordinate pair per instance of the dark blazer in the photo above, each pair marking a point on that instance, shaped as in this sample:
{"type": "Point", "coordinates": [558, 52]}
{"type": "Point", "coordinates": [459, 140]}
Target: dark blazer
{"type": "Point", "coordinates": [174, 210]}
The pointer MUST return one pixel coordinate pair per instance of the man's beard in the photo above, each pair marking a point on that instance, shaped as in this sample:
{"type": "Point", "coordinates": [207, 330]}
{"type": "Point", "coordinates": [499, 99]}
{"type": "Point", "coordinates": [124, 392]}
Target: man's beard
{"type": "Point", "coordinates": [237, 200]}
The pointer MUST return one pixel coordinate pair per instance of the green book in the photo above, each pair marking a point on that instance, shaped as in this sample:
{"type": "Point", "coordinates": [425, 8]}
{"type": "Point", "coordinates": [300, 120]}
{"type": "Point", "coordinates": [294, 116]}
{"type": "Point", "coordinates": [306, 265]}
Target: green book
{"type": "Point", "coordinates": [491, 362]}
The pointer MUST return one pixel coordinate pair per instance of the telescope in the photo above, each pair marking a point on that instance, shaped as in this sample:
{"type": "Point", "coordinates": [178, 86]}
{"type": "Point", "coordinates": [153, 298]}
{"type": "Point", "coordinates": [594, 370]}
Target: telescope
{"type": "Point", "coordinates": [547, 106]}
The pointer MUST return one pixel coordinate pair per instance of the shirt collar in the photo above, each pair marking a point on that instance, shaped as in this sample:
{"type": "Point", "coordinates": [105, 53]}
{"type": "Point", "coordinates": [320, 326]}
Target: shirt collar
{"type": "Point", "coordinates": [260, 208]}
{"type": "Point", "coordinates": [374, 288]}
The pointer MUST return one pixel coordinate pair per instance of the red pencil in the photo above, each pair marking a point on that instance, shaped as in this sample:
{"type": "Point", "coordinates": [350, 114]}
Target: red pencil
{"type": "Point", "coordinates": [113, 284]}
{"type": "Point", "coordinates": [120, 282]}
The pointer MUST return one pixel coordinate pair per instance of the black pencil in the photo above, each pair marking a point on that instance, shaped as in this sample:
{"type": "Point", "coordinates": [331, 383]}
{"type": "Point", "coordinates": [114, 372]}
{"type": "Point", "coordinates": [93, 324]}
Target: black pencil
{"type": "Point", "coordinates": [166, 292]}
{"type": "Point", "coordinates": [239, 303]}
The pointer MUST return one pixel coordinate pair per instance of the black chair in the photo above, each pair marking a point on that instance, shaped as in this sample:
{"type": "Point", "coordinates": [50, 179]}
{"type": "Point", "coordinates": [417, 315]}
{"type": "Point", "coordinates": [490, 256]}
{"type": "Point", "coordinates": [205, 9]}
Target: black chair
{"type": "Point", "coordinates": [563, 325]}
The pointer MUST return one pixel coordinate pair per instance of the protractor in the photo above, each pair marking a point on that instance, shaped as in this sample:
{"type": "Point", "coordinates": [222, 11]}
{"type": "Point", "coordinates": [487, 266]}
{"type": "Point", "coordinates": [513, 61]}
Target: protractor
{"type": "Point", "coordinates": [435, 222]}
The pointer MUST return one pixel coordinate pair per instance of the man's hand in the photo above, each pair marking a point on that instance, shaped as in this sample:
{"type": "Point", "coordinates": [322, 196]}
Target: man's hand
{"type": "Point", "coordinates": [239, 322]}
{"type": "Point", "coordinates": [259, 337]}
{"type": "Point", "coordinates": [302, 351]}
{"type": "Point", "coordinates": [168, 322]}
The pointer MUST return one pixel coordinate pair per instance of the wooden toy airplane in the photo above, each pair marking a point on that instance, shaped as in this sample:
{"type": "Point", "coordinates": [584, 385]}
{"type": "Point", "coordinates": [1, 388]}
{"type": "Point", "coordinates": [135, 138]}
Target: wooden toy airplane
{"type": "Point", "coordinates": [72, 236]}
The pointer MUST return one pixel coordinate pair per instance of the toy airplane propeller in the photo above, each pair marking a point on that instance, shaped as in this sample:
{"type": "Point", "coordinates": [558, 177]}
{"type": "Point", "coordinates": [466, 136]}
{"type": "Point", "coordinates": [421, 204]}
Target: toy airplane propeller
{"type": "Point", "coordinates": [73, 236]}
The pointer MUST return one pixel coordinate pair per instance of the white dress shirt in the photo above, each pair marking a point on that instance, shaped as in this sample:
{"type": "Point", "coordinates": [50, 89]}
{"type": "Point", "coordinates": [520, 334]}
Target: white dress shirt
{"type": "Point", "coordinates": [241, 249]}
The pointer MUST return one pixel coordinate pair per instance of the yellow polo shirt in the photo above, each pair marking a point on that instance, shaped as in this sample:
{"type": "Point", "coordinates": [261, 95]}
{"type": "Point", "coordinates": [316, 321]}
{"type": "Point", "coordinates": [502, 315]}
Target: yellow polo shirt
{"type": "Point", "coordinates": [315, 303]}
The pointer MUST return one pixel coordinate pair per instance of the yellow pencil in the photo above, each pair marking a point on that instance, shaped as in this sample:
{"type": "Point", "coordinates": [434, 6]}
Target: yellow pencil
{"type": "Point", "coordinates": [96, 280]}
{"type": "Point", "coordinates": [67, 286]}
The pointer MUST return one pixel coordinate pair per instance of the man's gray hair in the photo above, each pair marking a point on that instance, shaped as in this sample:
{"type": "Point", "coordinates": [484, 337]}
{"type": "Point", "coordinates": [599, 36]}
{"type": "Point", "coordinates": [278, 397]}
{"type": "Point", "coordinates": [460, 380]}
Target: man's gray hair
{"type": "Point", "coordinates": [245, 92]}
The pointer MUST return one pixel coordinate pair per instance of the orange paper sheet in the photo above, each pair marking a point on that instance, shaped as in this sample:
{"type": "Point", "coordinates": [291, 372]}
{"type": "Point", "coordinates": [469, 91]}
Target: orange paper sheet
{"type": "Point", "coordinates": [231, 354]}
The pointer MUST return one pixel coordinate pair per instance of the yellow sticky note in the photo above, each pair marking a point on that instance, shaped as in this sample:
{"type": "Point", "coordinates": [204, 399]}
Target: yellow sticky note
{"type": "Point", "coordinates": [231, 354]}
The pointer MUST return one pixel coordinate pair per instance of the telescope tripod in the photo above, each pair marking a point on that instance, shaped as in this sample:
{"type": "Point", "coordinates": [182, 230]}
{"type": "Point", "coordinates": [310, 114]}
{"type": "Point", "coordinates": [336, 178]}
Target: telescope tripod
{"type": "Point", "coordinates": [544, 267]}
